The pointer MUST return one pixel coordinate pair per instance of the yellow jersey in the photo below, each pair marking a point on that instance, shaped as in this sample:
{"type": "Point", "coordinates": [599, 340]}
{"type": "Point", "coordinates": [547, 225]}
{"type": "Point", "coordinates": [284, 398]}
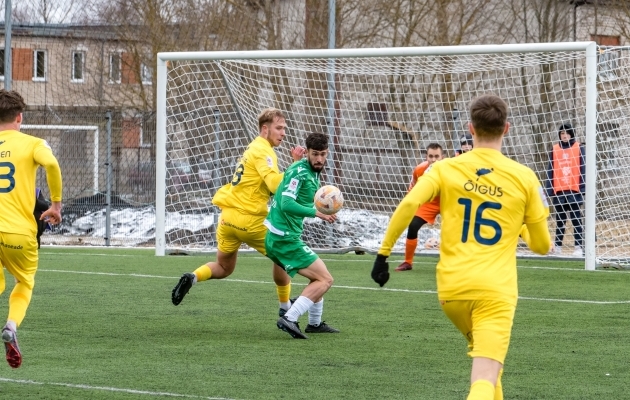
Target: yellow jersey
{"type": "Point", "coordinates": [485, 198]}
{"type": "Point", "coordinates": [255, 179]}
{"type": "Point", "coordinates": [20, 156]}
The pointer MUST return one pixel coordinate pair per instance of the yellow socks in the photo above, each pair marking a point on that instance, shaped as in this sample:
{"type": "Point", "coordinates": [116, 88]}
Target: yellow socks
{"type": "Point", "coordinates": [498, 389]}
{"type": "Point", "coordinates": [203, 273]}
{"type": "Point", "coordinates": [410, 250]}
{"type": "Point", "coordinates": [284, 292]}
{"type": "Point", "coordinates": [18, 302]}
{"type": "Point", "coordinates": [481, 390]}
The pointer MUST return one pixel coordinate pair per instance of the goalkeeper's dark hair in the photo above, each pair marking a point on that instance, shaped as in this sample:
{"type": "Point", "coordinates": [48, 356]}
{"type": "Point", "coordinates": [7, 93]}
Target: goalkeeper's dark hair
{"type": "Point", "coordinates": [488, 114]}
{"type": "Point", "coordinates": [317, 141]}
{"type": "Point", "coordinates": [11, 105]}
{"type": "Point", "coordinates": [435, 146]}
{"type": "Point", "coordinates": [267, 116]}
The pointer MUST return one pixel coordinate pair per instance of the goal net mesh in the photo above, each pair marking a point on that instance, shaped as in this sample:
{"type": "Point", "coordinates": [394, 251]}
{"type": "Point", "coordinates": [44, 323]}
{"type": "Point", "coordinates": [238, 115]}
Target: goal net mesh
{"type": "Point", "coordinates": [385, 112]}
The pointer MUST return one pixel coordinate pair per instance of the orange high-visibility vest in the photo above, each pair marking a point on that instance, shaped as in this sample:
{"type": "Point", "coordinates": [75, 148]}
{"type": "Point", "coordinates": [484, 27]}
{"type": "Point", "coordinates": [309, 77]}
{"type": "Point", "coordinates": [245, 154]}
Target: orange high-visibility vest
{"type": "Point", "coordinates": [566, 168]}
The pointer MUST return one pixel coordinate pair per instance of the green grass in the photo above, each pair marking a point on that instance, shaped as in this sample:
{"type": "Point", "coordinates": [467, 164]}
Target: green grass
{"type": "Point", "coordinates": [101, 326]}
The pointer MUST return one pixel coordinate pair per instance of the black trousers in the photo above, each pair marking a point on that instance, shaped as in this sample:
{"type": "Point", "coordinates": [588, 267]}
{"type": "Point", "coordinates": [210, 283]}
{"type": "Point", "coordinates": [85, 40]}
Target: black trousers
{"type": "Point", "coordinates": [571, 210]}
{"type": "Point", "coordinates": [414, 226]}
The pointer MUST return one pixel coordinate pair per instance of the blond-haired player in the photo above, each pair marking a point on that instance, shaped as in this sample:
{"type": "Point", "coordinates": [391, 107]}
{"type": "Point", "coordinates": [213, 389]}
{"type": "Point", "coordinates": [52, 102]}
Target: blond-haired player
{"type": "Point", "coordinates": [243, 204]}
{"type": "Point", "coordinates": [486, 202]}
{"type": "Point", "coordinates": [20, 156]}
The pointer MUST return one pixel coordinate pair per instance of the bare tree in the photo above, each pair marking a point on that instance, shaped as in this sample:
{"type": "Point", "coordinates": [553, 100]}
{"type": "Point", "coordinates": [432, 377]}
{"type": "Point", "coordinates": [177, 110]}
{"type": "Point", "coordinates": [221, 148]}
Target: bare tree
{"type": "Point", "coordinates": [541, 21]}
{"type": "Point", "coordinates": [49, 11]}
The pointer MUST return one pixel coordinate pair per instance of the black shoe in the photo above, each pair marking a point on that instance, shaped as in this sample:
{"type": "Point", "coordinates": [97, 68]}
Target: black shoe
{"type": "Point", "coordinates": [282, 311]}
{"type": "Point", "coordinates": [321, 328]}
{"type": "Point", "coordinates": [292, 328]}
{"type": "Point", "coordinates": [182, 287]}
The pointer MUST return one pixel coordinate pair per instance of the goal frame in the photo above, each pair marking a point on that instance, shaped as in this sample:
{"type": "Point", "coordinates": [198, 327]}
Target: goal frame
{"type": "Point", "coordinates": [590, 54]}
{"type": "Point", "coordinates": [91, 128]}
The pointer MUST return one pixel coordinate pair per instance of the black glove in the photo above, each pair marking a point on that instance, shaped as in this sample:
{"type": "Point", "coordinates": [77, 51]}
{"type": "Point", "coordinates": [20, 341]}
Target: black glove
{"type": "Point", "coordinates": [380, 271]}
{"type": "Point", "coordinates": [41, 205]}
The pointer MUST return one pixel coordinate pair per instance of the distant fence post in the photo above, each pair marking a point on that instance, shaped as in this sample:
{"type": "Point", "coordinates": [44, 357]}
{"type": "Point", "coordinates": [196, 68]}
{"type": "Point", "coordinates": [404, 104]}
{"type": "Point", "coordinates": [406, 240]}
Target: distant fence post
{"type": "Point", "coordinates": [108, 179]}
{"type": "Point", "coordinates": [7, 45]}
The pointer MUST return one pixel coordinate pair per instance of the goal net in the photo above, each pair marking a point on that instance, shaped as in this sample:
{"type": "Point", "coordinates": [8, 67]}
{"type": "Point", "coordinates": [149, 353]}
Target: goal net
{"type": "Point", "coordinates": [381, 108]}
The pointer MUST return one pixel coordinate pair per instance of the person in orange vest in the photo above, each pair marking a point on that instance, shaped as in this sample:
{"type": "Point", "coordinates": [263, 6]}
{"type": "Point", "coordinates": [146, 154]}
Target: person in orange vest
{"type": "Point", "coordinates": [565, 185]}
{"type": "Point", "coordinates": [425, 213]}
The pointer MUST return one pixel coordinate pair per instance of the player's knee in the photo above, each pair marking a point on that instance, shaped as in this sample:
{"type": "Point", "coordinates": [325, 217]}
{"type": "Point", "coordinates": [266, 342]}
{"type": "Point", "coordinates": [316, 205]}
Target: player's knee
{"type": "Point", "coordinates": [224, 271]}
{"type": "Point", "coordinates": [328, 281]}
{"type": "Point", "coordinates": [27, 284]}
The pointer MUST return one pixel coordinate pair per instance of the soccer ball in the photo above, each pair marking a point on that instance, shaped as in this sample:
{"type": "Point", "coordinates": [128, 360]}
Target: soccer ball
{"type": "Point", "coordinates": [432, 243]}
{"type": "Point", "coordinates": [328, 200]}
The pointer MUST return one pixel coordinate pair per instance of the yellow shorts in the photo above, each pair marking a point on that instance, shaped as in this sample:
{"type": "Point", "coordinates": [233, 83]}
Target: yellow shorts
{"type": "Point", "coordinates": [486, 324]}
{"type": "Point", "coordinates": [18, 254]}
{"type": "Point", "coordinates": [236, 228]}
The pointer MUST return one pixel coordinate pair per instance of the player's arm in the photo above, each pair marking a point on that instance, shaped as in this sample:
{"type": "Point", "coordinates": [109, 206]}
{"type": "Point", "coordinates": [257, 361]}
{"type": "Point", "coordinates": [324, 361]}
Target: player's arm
{"type": "Point", "coordinates": [268, 171]}
{"type": "Point", "coordinates": [535, 232]}
{"type": "Point", "coordinates": [43, 156]}
{"type": "Point", "coordinates": [536, 236]}
{"type": "Point", "coordinates": [425, 190]}
{"type": "Point", "coordinates": [290, 206]}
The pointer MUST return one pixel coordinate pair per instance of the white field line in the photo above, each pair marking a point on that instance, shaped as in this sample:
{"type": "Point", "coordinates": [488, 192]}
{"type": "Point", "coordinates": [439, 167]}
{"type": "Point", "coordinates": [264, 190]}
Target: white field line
{"type": "Point", "coordinates": [335, 286]}
{"type": "Point", "coordinates": [392, 261]}
{"type": "Point", "coordinates": [110, 389]}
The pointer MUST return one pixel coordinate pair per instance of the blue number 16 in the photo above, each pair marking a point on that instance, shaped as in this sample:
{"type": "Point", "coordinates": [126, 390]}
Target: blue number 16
{"type": "Point", "coordinates": [7, 176]}
{"type": "Point", "coordinates": [480, 221]}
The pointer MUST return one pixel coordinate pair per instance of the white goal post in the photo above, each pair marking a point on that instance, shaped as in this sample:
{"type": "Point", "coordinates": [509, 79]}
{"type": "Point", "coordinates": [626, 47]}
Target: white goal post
{"type": "Point", "coordinates": [381, 107]}
{"type": "Point", "coordinates": [94, 129]}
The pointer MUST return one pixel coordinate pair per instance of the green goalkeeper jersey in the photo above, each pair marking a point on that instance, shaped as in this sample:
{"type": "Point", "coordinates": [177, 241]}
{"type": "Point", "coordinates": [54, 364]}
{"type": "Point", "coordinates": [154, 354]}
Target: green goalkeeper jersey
{"type": "Point", "coordinates": [293, 200]}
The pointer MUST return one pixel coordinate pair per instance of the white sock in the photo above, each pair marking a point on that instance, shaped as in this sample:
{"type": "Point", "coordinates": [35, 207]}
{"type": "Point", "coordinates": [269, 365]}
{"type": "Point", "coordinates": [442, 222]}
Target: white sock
{"type": "Point", "coordinates": [301, 305]}
{"type": "Point", "coordinates": [12, 325]}
{"type": "Point", "coordinates": [194, 279]}
{"type": "Point", "coordinates": [285, 305]}
{"type": "Point", "coordinates": [315, 313]}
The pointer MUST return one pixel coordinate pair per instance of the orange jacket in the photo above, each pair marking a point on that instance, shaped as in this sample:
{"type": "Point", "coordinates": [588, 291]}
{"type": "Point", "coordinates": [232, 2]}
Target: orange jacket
{"type": "Point", "coordinates": [566, 168]}
{"type": "Point", "coordinates": [417, 173]}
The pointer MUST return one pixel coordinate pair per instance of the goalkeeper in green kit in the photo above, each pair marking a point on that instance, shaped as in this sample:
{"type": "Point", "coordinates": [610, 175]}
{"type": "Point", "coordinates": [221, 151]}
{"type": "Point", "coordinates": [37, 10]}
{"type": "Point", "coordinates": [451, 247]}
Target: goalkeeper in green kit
{"type": "Point", "coordinates": [292, 202]}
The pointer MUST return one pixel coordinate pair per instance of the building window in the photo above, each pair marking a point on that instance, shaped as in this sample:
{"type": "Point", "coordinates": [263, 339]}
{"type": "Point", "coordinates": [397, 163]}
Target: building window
{"type": "Point", "coordinates": [146, 74]}
{"type": "Point", "coordinates": [134, 134]}
{"type": "Point", "coordinates": [1, 64]}
{"type": "Point", "coordinates": [39, 66]}
{"type": "Point", "coordinates": [78, 64]}
{"type": "Point", "coordinates": [608, 58]}
{"type": "Point", "coordinates": [114, 67]}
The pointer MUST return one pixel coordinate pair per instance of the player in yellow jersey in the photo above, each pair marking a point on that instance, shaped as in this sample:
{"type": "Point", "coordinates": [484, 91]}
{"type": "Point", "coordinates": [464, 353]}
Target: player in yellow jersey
{"type": "Point", "coordinates": [486, 201]}
{"type": "Point", "coordinates": [243, 204]}
{"type": "Point", "coordinates": [20, 156]}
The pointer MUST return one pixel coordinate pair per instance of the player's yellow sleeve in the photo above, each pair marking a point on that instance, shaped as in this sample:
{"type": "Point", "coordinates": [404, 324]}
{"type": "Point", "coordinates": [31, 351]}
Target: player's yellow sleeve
{"type": "Point", "coordinates": [536, 236]}
{"type": "Point", "coordinates": [270, 174]}
{"type": "Point", "coordinates": [424, 191]}
{"type": "Point", "coordinates": [43, 156]}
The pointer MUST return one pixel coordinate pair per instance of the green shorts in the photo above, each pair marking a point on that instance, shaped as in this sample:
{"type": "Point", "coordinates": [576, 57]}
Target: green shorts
{"type": "Point", "coordinates": [289, 253]}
